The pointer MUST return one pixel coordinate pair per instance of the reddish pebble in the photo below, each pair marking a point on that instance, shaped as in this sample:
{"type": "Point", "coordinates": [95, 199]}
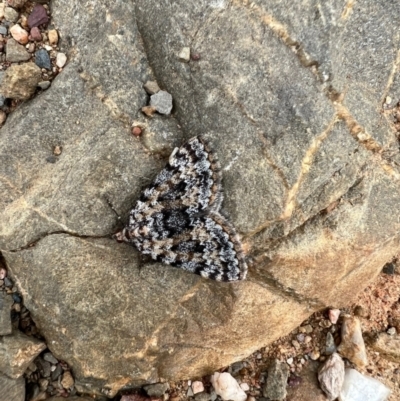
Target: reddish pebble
{"type": "Point", "coordinates": [38, 16]}
{"type": "Point", "coordinates": [137, 131]}
{"type": "Point", "coordinates": [197, 387]}
{"type": "Point", "coordinates": [3, 273]}
{"type": "Point", "coordinates": [19, 34]}
{"type": "Point", "coordinates": [35, 34]}
{"type": "Point", "coordinates": [334, 315]}
{"type": "Point", "coordinates": [195, 56]}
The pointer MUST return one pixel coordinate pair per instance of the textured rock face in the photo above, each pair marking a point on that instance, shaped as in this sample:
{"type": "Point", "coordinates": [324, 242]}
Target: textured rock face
{"type": "Point", "coordinates": [290, 101]}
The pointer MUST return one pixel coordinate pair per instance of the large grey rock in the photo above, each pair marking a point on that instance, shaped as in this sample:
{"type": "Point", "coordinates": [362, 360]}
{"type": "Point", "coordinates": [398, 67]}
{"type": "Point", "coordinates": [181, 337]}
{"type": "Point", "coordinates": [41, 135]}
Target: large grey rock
{"type": "Point", "coordinates": [6, 302]}
{"type": "Point", "coordinates": [309, 162]}
{"type": "Point", "coordinates": [12, 389]}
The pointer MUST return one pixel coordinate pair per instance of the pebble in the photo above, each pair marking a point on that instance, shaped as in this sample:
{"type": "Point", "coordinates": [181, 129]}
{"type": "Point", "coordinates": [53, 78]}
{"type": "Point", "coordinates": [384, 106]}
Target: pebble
{"type": "Point", "coordinates": [357, 387]}
{"type": "Point", "coordinates": [19, 34]}
{"type": "Point", "coordinates": [227, 387]}
{"type": "Point", "coordinates": [56, 373]}
{"type": "Point", "coordinates": [361, 311]}
{"type": "Point", "coordinates": [38, 16]}
{"type": "Point", "coordinates": [53, 36]}
{"type": "Point", "coordinates": [7, 282]}
{"type": "Point", "coordinates": [49, 357]}
{"type": "Point", "coordinates": [15, 52]}
{"type": "Point", "coordinates": [184, 54]}
{"type": "Point", "coordinates": [202, 397]}
{"type": "Point", "coordinates": [244, 386]}
{"type": "Point", "coordinates": [388, 100]}
{"type": "Point", "coordinates": [136, 131]}
{"type": "Point", "coordinates": [35, 34]}
{"type": "Point", "coordinates": [148, 110]}
{"type": "Point", "coordinates": [157, 389]}
{"type": "Point", "coordinates": [44, 85]}
{"type": "Point", "coordinates": [300, 337]}
{"type": "Point", "coordinates": [314, 355]}
{"type": "Point", "coordinates": [42, 59]}
{"type": "Point", "coordinates": [352, 346]}
{"type": "Point", "coordinates": [331, 376]}
{"type": "Point", "coordinates": [43, 383]}
{"type": "Point", "coordinates": [57, 149]}
{"type": "Point", "coordinates": [289, 361]}
{"type": "Point", "coordinates": [3, 273]}
{"type": "Point", "coordinates": [162, 101]}
{"type": "Point", "coordinates": [391, 331]}
{"type": "Point", "coordinates": [20, 81]}
{"type": "Point", "coordinates": [51, 159]}
{"type": "Point", "coordinates": [388, 346]}
{"type": "Point", "coordinates": [307, 339]}
{"type": "Point", "coordinates": [296, 344]}
{"type": "Point", "coordinates": [389, 268]}
{"type": "Point", "coordinates": [10, 14]}
{"type": "Point", "coordinates": [61, 59]}
{"type": "Point", "coordinates": [330, 346]}
{"type": "Point", "coordinates": [17, 299]}
{"type": "Point", "coordinates": [48, 48]}
{"type": "Point", "coordinates": [195, 56]}
{"type": "Point", "coordinates": [3, 30]}
{"type": "Point", "coordinates": [3, 117]}
{"type": "Point", "coordinates": [306, 329]}
{"type": "Point", "coordinates": [197, 387]}
{"type": "Point", "coordinates": [67, 380]}
{"type": "Point", "coordinates": [151, 87]}
{"type": "Point", "coordinates": [275, 387]}
{"type": "Point", "coordinates": [334, 315]}
{"type": "Point", "coordinates": [31, 47]}
{"type": "Point", "coordinates": [1, 281]}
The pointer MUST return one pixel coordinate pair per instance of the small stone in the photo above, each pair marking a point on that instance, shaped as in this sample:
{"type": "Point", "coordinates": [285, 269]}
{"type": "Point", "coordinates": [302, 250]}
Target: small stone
{"type": "Point", "coordinates": [361, 311]}
{"type": "Point", "coordinates": [42, 59]}
{"type": "Point", "coordinates": [53, 36]}
{"type": "Point", "coordinates": [300, 337]}
{"type": "Point", "coordinates": [44, 85]}
{"type": "Point", "coordinates": [43, 383]}
{"type": "Point", "coordinates": [275, 387]}
{"type": "Point", "coordinates": [388, 100]}
{"type": "Point", "coordinates": [51, 159]}
{"type": "Point", "coordinates": [136, 131]}
{"type": "Point", "coordinates": [334, 315]}
{"type": "Point", "coordinates": [48, 356]}
{"type": "Point", "coordinates": [388, 346]}
{"type": "Point", "coordinates": [16, 52]}
{"type": "Point", "coordinates": [189, 392]}
{"type": "Point", "coordinates": [3, 30]}
{"type": "Point", "coordinates": [195, 56]}
{"type": "Point", "coordinates": [295, 344]}
{"type": "Point", "coordinates": [162, 101]}
{"type": "Point", "coordinates": [307, 329]}
{"type": "Point", "coordinates": [325, 324]}
{"type": "Point", "coordinates": [184, 54]}
{"type": "Point", "coordinates": [56, 373]}
{"type": "Point", "coordinates": [389, 268]}
{"type": "Point", "coordinates": [61, 59]}
{"type": "Point", "coordinates": [151, 87]}
{"type": "Point", "coordinates": [20, 81]}
{"type": "Point", "coordinates": [307, 339]}
{"type": "Point", "coordinates": [289, 361]}
{"type": "Point", "coordinates": [148, 110]}
{"type": "Point", "coordinates": [31, 48]}
{"type": "Point", "coordinates": [17, 307]}
{"type": "Point", "coordinates": [331, 376]}
{"type": "Point", "coordinates": [357, 387]}
{"type": "Point", "coordinates": [38, 16]}
{"type": "Point", "coordinates": [202, 397]}
{"type": "Point", "coordinates": [244, 386]}
{"type": "Point", "coordinates": [197, 387]}
{"type": "Point", "coordinates": [314, 355]}
{"type": "Point", "coordinates": [19, 34]}
{"type": "Point", "coordinates": [17, 299]}
{"type": "Point", "coordinates": [48, 48]}
{"type": "Point", "coordinates": [57, 150]}
{"type": "Point", "coordinates": [391, 331]}
{"type": "Point", "coordinates": [35, 34]}
{"type": "Point", "coordinates": [330, 344]}
{"type": "Point", "coordinates": [8, 282]}
{"type": "Point", "coordinates": [3, 117]}
{"type": "Point", "coordinates": [10, 14]}
{"type": "Point", "coordinates": [3, 273]}
{"type": "Point", "coordinates": [352, 346]}
{"type": "Point", "coordinates": [157, 389]}
{"type": "Point", "coordinates": [16, 3]}
{"type": "Point", "coordinates": [227, 387]}
{"type": "Point", "coordinates": [67, 380]}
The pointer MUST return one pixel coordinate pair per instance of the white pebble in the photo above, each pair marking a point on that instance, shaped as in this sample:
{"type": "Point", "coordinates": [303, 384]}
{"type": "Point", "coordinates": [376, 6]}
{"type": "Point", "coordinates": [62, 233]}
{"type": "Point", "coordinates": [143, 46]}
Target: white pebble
{"type": "Point", "coordinates": [227, 387]}
{"type": "Point", "coordinates": [197, 387]}
{"type": "Point", "coordinates": [244, 386]}
{"type": "Point", "coordinates": [61, 59]}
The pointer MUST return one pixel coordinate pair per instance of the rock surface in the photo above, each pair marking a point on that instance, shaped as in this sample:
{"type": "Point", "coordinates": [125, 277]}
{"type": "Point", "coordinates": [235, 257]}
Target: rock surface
{"type": "Point", "coordinates": [12, 389]}
{"type": "Point", "coordinates": [388, 346]}
{"type": "Point", "coordinates": [17, 351]}
{"type": "Point", "coordinates": [5, 313]}
{"type": "Point", "coordinates": [275, 386]}
{"type": "Point", "coordinates": [290, 98]}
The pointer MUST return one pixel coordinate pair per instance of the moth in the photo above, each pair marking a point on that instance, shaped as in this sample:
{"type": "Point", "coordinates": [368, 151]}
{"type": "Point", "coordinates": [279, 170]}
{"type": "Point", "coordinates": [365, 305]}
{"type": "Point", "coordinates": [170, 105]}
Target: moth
{"type": "Point", "coordinates": [177, 219]}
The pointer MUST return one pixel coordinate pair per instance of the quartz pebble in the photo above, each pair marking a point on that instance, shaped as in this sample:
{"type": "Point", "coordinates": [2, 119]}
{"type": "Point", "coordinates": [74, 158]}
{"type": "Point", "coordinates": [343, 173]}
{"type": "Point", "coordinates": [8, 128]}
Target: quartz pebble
{"type": "Point", "coordinates": [19, 34]}
{"type": "Point", "coordinates": [227, 387]}
{"type": "Point", "coordinates": [3, 273]}
{"type": "Point", "coordinates": [44, 85]}
{"type": "Point", "coordinates": [334, 315]}
{"type": "Point", "coordinates": [244, 386]}
{"type": "Point", "coordinates": [331, 376]}
{"type": "Point", "coordinates": [357, 387]}
{"type": "Point", "coordinates": [61, 59]}
{"type": "Point", "coordinates": [197, 387]}
{"type": "Point", "coordinates": [184, 54]}
{"type": "Point", "coordinates": [53, 36]}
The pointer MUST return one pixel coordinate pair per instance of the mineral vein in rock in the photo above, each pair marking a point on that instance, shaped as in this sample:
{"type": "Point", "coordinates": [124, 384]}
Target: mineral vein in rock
{"type": "Point", "coordinates": [177, 219]}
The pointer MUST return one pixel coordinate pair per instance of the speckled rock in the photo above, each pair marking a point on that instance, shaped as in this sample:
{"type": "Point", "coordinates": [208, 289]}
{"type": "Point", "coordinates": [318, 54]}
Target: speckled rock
{"type": "Point", "coordinates": [16, 52]}
{"type": "Point", "coordinates": [20, 81]}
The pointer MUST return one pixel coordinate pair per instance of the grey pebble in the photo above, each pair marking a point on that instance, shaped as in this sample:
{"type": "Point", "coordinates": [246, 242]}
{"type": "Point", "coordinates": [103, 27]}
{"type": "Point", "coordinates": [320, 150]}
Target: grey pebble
{"type": "Point", "coordinates": [44, 85]}
{"type": "Point", "coordinates": [157, 389]}
{"type": "Point", "coordinates": [10, 14]}
{"type": "Point", "coordinates": [48, 356]}
{"type": "Point", "coordinates": [162, 101]}
{"type": "Point", "coordinates": [17, 299]}
{"type": "Point", "coordinates": [44, 367]}
{"type": "Point", "coordinates": [3, 30]}
{"type": "Point", "coordinates": [57, 372]}
{"type": "Point", "coordinates": [42, 59]}
{"type": "Point", "coordinates": [330, 344]}
{"type": "Point", "coordinates": [8, 282]}
{"type": "Point", "coordinates": [51, 159]}
{"type": "Point", "coordinates": [202, 396]}
{"type": "Point", "coordinates": [2, 100]}
{"type": "Point", "coordinates": [15, 52]}
{"type": "Point", "coordinates": [151, 87]}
